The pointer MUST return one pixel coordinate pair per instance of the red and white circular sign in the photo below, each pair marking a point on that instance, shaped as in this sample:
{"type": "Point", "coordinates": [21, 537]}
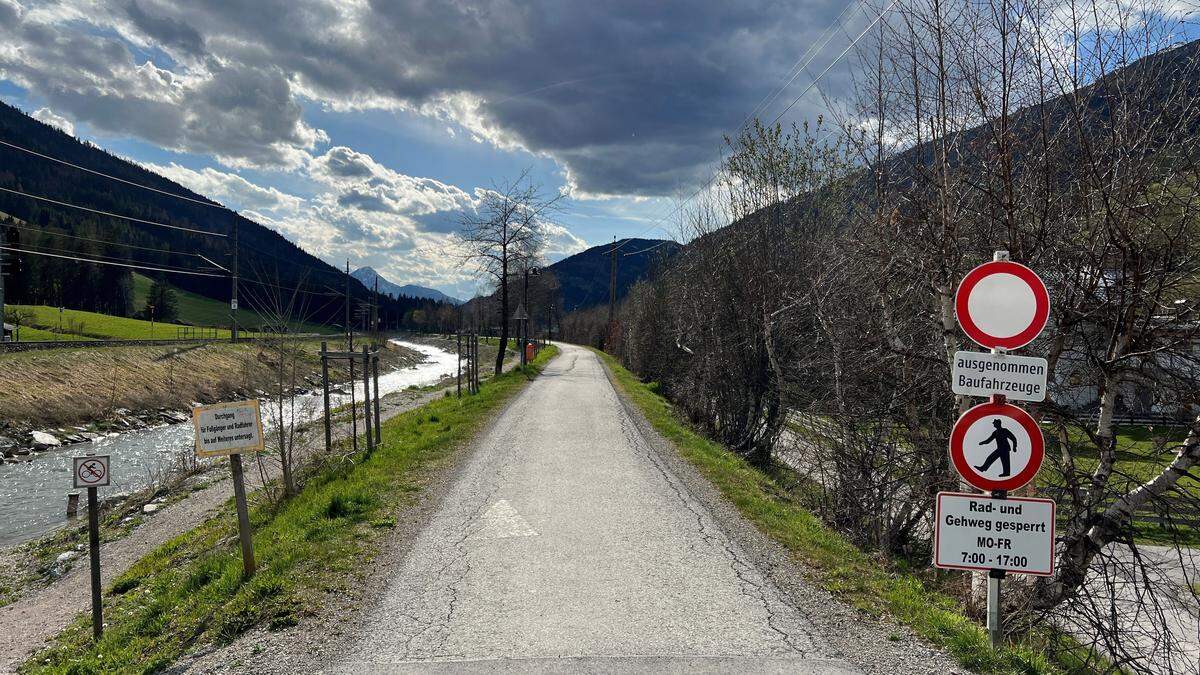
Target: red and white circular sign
{"type": "Point", "coordinates": [997, 446]}
{"type": "Point", "coordinates": [1002, 304]}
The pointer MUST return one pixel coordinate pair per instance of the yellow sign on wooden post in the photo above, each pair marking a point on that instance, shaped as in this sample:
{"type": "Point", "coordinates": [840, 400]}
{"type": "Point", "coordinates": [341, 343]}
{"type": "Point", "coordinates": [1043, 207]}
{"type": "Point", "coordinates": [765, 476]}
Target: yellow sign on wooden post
{"type": "Point", "coordinates": [228, 428]}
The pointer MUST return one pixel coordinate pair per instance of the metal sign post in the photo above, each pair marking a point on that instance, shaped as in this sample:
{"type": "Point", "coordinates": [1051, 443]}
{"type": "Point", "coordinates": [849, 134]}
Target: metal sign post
{"type": "Point", "coordinates": [230, 429]}
{"type": "Point", "coordinates": [91, 472]}
{"type": "Point", "coordinates": [366, 359]}
{"type": "Point", "coordinates": [375, 377]}
{"type": "Point", "coordinates": [997, 447]}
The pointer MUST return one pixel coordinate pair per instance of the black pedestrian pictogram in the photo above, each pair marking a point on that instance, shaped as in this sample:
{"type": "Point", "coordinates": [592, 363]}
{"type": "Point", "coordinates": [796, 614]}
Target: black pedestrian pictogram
{"type": "Point", "coordinates": [1006, 444]}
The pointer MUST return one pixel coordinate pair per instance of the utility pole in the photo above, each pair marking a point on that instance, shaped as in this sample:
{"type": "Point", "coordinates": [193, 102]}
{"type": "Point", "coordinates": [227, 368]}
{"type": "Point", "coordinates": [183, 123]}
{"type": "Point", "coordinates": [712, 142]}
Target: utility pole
{"type": "Point", "coordinates": [233, 294]}
{"type": "Point", "coordinates": [612, 284]}
{"type": "Point", "coordinates": [349, 329]}
{"type": "Point", "coordinates": [375, 309]}
{"type": "Point", "coordinates": [2, 245]}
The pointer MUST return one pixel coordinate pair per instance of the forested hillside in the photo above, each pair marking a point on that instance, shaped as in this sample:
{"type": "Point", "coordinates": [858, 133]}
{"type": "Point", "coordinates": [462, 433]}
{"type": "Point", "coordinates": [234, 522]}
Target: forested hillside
{"type": "Point", "coordinates": [584, 277]}
{"type": "Point", "coordinates": [189, 254]}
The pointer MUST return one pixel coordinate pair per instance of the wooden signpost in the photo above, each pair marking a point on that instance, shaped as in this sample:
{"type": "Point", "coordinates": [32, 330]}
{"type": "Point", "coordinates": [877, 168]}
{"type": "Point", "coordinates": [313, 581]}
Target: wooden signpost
{"type": "Point", "coordinates": [231, 429]}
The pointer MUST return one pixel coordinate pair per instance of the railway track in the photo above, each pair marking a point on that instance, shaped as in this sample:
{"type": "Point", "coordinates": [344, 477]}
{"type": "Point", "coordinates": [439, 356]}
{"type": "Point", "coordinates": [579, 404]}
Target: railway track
{"type": "Point", "coordinates": [68, 344]}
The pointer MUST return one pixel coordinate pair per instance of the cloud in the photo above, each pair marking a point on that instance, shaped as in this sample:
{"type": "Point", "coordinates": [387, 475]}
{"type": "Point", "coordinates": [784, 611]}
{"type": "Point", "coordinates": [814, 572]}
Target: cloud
{"type": "Point", "coordinates": [629, 97]}
{"type": "Point", "coordinates": [364, 212]}
{"type": "Point", "coordinates": [245, 114]}
{"type": "Point", "coordinates": [229, 189]}
{"type": "Point", "coordinates": [49, 117]}
{"type": "Point", "coordinates": [362, 183]}
{"type": "Point", "coordinates": [560, 242]}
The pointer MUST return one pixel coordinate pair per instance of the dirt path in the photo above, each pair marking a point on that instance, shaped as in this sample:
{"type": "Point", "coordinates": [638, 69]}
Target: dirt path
{"type": "Point", "coordinates": [29, 623]}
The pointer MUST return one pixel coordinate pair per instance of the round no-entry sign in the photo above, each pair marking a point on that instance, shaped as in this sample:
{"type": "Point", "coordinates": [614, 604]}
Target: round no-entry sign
{"type": "Point", "coordinates": [1002, 304]}
{"type": "Point", "coordinates": [997, 446]}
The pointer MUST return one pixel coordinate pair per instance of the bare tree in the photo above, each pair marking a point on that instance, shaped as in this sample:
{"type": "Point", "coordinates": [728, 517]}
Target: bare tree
{"type": "Point", "coordinates": [502, 236]}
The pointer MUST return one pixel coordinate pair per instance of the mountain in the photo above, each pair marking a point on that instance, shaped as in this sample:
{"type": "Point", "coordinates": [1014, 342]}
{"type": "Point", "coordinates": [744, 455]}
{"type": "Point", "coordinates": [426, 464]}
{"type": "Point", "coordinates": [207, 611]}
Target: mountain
{"type": "Point", "coordinates": [47, 238]}
{"type": "Point", "coordinates": [584, 277]}
{"type": "Point", "coordinates": [367, 276]}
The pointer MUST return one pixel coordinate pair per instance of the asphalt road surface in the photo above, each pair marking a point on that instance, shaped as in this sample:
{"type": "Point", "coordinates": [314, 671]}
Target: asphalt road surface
{"type": "Point", "coordinates": [566, 545]}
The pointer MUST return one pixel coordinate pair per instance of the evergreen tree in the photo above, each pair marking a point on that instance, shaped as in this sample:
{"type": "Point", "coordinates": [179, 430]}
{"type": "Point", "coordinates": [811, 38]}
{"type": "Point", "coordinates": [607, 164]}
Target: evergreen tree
{"type": "Point", "coordinates": [162, 303]}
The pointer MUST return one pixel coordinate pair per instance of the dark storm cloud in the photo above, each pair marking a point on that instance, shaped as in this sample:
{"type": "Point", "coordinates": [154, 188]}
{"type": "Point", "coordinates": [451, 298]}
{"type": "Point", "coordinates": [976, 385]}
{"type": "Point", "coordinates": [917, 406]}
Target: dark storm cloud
{"type": "Point", "coordinates": [165, 30]}
{"type": "Point", "coordinates": [632, 97]}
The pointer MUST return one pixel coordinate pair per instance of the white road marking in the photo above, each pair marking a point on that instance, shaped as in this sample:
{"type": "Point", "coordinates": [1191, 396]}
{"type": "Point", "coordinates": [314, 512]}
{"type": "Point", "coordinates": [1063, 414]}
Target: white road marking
{"type": "Point", "coordinates": [501, 521]}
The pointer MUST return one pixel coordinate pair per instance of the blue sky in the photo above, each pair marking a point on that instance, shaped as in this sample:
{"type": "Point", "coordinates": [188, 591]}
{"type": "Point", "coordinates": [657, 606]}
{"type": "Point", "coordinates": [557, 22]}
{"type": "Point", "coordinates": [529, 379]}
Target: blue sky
{"type": "Point", "coordinates": [362, 129]}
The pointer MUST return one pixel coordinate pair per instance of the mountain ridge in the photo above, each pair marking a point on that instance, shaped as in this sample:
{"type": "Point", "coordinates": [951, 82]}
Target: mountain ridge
{"type": "Point", "coordinates": [367, 275]}
{"type": "Point", "coordinates": [270, 264]}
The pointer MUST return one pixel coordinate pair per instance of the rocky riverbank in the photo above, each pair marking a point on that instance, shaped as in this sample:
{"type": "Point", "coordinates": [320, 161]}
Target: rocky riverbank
{"type": "Point", "coordinates": [37, 416]}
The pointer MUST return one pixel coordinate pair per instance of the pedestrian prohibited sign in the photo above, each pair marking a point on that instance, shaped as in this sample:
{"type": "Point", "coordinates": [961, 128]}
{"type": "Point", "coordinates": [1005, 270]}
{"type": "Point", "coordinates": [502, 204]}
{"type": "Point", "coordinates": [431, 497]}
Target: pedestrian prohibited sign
{"type": "Point", "coordinates": [997, 446]}
{"type": "Point", "coordinates": [92, 471]}
{"type": "Point", "coordinates": [1002, 305]}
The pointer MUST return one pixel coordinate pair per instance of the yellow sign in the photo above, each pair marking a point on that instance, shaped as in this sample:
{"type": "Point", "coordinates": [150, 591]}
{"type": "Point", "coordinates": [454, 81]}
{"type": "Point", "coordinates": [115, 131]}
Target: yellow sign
{"type": "Point", "coordinates": [228, 428]}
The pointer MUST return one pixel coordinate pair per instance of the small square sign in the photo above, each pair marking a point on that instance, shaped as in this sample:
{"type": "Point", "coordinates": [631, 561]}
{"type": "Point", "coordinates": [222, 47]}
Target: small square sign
{"type": "Point", "coordinates": [92, 471]}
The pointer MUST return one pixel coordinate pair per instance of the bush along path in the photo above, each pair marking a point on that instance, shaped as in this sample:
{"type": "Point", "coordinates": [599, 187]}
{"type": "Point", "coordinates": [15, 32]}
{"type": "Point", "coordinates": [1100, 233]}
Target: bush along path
{"type": "Point", "coordinates": [771, 501]}
{"type": "Point", "coordinates": [189, 593]}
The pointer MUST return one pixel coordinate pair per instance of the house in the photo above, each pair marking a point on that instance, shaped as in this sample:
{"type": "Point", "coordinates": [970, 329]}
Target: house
{"type": "Point", "coordinates": [11, 333]}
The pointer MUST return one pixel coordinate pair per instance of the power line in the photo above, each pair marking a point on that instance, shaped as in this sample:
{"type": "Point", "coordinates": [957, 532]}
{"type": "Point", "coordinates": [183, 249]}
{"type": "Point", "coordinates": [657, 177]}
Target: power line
{"type": "Point", "coordinates": [40, 247]}
{"type": "Point", "coordinates": [103, 241]}
{"type": "Point", "coordinates": [835, 61]}
{"type": "Point", "coordinates": [802, 63]}
{"type": "Point", "coordinates": [111, 215]}
{"type": "Point", "coordinates": [119, 180]}
{"type": "Point", "coordinates": [115, 264]}
{"type": "Point", "coordinates": [796, 100]}
{"type": "Point", "coordinates": [651, 248]}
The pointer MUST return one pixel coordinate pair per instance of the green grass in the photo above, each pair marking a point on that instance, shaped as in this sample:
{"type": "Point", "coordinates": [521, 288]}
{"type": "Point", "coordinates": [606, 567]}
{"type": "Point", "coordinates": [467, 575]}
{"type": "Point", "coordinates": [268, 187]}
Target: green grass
{"type": "Point", "coordinates": [190, 591]}
{"type": "Point", "coordinates": [31, 334]}
{"type": "Point", "coordinates": [770, 502]}
{"type": "Point", "coordinates": [198, 310]}
{"type": "Point", "coordinates": [98, 326]}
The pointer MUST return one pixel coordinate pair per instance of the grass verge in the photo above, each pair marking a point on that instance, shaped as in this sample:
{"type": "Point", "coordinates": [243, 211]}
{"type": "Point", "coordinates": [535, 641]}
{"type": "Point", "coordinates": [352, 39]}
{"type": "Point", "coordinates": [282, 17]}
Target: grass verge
{"type": "Point", "coordinates": [843, 569]}
{"type": "Point", "coordinates": [190, 591]}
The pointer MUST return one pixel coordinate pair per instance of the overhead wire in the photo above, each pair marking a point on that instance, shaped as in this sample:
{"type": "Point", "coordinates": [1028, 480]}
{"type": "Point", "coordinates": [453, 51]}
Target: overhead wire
{"type": "Point", "coordinates": [101, 241]}
{"type": "Point", "coordinates": [135, 264]}
{"type": "Point", "coordinates": [816, 80]}
{"type": "Point", "coordinates": [110, 214]}
{"type": "Point", "coordinates": [113, 263]}
{"type": "Point", "coordinates": [803, 62]}
{"type": "Point", "coordinates": [111, 177]}
{"type": "Point", "coordinates": [845, 51]}
{"type": "Point", "coordinates": [42, 247]}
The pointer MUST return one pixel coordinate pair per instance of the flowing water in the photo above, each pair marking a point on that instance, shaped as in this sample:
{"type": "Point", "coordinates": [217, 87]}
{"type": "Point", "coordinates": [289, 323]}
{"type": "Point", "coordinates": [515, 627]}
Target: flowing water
{"type": "Point", "coordinates": [33, 495]}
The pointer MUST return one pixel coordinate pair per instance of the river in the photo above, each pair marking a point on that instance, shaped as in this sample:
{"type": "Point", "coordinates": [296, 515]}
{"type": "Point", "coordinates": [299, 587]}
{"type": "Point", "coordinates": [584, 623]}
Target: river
{"type": "Point", "coordinates": [33, 494]}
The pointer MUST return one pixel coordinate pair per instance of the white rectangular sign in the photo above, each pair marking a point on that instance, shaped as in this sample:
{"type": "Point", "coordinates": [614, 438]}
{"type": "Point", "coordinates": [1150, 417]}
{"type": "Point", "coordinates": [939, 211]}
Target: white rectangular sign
{"type": "Point", "coordinates": [976, 532]}
{"type": "Point", "coordinates": [227, 428]}
{"type": "Point", "coordinates": [1021, 378]}
{"type": "Point", "coordinates": [92, 471]}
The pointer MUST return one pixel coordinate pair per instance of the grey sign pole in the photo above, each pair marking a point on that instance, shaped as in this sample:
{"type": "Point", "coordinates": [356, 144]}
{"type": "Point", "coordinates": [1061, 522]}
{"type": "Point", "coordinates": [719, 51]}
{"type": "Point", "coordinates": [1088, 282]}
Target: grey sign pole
{"type": "Point", "coordinates": [94, 554]}
{"type": "Point", "coordinates": [92, 472]}
{"type": "Point", "coordinates": [375, 375]}
{"type": "Point", "coordinates": [366, 357]}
